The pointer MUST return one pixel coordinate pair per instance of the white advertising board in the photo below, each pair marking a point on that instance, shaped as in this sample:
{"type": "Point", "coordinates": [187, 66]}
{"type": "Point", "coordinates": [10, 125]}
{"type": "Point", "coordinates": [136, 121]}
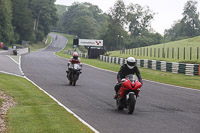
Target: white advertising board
{"type": "Point", "coordinates": [88, 42]}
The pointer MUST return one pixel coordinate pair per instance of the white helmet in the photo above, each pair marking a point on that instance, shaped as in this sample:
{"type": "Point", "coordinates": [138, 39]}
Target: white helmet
{"type": "Point", "coordinates": [131, 62]}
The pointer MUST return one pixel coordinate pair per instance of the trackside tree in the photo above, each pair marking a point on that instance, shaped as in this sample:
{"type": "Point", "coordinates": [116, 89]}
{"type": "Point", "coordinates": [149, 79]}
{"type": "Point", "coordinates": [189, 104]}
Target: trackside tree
{"type": "Point", "coordinates": [6, 27]}
{"type": "Point", "coordinates": [188, 26]}
{"type": "Point", "coordinates": [28, 20]}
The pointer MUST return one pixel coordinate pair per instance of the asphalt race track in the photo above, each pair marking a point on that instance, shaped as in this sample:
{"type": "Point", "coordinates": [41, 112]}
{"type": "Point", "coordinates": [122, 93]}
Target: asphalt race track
{"type": "Point", "coordinates": [159, 109]}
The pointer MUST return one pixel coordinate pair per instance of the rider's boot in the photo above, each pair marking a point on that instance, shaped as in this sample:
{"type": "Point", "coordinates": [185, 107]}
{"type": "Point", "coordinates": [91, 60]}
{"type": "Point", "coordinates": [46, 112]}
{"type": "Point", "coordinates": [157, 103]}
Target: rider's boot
{"type": "Point", "coordinates": [115, 96]}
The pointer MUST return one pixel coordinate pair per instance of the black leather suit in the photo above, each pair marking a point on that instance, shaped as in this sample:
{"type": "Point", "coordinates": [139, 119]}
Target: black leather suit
{"type": "Point", "coordinates": [123, 72]}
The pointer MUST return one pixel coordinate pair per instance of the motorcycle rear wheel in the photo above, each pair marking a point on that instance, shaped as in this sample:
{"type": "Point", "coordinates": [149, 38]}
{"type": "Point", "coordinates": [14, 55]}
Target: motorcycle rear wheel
{"type": "Point", "coordinates": [131, 103]}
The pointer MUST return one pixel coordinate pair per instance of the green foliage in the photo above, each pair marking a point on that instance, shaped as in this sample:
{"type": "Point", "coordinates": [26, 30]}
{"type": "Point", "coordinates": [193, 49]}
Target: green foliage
{"type": "Point", "coordinates": [39, 35]}
{"type": "Point", "coordinates": [84, 27]}
{"type": "Point", "coordinates": [118, 13]}
{"type": "Point", "coordinates": [6, 28]}
{"type": "Point", "coordinates": [191, 19]}
{"type": "Point", "coordinates": [87, 21]}
{"type": "Point", "coordinates": [188, 26]}
{"type": "Point", "coordinates": [22, 20]}
{"type": "Point", "coordinates": [61, 9]}
{"type": "Point", "coordinates": [139, 18]}
{"type": "Point", "coordinates": [82, 49]}
{"type": "Point", "coordinates": [84, 20]}
{"type": "Point", "coordinates": [44, 14]}
{"type": "Point", "coordinates": [114, 36]}
{"type": "Point", "coordinates": [145, 40]}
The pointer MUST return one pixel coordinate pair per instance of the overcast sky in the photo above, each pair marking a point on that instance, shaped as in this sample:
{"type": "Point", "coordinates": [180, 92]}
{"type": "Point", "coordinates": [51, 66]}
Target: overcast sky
{"type": "Point", "coordinates": [167, 11]}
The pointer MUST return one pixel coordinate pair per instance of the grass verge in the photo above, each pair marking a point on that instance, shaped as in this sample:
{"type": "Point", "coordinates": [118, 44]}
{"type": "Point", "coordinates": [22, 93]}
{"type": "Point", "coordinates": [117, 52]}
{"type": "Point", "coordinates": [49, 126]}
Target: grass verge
{"type": "Point", "coordinates": [39, 45]}
{"type": "Point", "coordinates": [35, 111]}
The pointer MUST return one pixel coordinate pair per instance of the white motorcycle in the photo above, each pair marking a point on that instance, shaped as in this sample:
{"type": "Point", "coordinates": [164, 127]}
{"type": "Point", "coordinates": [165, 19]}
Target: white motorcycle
{"type": "Point", "coordinates": [74, 70]}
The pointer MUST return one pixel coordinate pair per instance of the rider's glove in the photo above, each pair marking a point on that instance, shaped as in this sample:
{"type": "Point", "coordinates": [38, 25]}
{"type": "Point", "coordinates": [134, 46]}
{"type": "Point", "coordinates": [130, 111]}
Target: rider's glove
{"type": "Point", "coordinates": [141, 82]}
{"type": "Point", "coordinates": [68, 64]}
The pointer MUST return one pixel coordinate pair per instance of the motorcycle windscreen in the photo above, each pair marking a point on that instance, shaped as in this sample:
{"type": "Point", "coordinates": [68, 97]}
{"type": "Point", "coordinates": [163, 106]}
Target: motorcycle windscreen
{"type": "Point", "coordinates": [76, 66]}
{"type": "Point", "coordinates": [132, 78]}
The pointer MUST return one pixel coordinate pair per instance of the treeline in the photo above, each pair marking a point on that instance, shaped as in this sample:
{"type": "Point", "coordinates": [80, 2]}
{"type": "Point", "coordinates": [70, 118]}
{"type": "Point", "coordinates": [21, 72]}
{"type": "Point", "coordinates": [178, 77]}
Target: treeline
{"type": "Point", "coordinates": [83, 20]}
{"type": "Point", "coordinates": [188, 26]}
{"type": "Point", "coordinates": [124, 26]}
{"type": "Point", "coordinates": [28, 20]}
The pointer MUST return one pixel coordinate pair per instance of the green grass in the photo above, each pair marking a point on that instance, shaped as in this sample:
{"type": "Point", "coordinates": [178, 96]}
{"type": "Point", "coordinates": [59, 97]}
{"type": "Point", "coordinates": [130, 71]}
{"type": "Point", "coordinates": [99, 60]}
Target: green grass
{"type": "Point", "coordinates": [35, 111]}
{"type": "Point", "coordinates": [1, 101]}
{"type": "Point", "coordinates": [149, 74]}
{"type": "Point", "coordinates": [49, 40]}
{"type": "Point", "coordinates": [186, 43]}
{"type": "Point", "coordinates": [39, 45]}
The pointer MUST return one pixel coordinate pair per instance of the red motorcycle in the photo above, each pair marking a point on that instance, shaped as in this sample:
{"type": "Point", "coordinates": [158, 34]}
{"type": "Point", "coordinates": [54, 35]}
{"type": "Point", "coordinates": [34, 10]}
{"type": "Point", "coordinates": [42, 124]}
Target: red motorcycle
{"type": "Point", "coordinates": [128, 93]}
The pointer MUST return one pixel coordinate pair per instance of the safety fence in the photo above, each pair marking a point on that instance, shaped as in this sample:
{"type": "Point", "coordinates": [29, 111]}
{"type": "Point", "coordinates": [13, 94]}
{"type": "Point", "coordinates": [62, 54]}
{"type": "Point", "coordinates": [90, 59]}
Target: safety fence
{"type": "Point", "coordinates": [174, 67]}
{"type": "Point", "coordinates": [79, 53]}
{"type": "Point", "coordinates": [179, 53]}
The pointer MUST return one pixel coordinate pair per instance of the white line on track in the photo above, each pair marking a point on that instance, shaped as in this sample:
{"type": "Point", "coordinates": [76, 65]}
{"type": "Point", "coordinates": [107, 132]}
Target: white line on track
{"type": "Point", "coordinates": [20, 68]}
{"type": "Point", "coordinates": [12, 59]}
{"type": "Point", "coordinates": [11, 74]}
{"type": "Point", "coordinates": [67, 109]}
{"type": "Point", "coordinates": [19, 64]}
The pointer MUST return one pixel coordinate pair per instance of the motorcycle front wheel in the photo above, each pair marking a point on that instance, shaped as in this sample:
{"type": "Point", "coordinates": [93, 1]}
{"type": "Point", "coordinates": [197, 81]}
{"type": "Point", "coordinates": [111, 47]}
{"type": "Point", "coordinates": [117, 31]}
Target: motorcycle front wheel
{"type": "Point", "coordinates": [131, 103]}
{"type": "Point", "coordinates": [73, 83]}
{"type": "Point", "coordinates": [70, 82]}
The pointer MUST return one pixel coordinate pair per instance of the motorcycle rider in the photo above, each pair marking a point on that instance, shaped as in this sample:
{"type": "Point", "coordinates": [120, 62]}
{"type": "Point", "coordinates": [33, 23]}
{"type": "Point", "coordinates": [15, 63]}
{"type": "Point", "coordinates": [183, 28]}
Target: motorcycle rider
{"type": "Point", "coordinates": [126, 69]}
{"type": "Point", "coordinates": [74, 59]}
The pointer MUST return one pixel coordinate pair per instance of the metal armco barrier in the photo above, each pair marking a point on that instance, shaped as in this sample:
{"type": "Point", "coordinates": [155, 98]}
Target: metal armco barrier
{"type": "Point", "coordinates": [174, 67]}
